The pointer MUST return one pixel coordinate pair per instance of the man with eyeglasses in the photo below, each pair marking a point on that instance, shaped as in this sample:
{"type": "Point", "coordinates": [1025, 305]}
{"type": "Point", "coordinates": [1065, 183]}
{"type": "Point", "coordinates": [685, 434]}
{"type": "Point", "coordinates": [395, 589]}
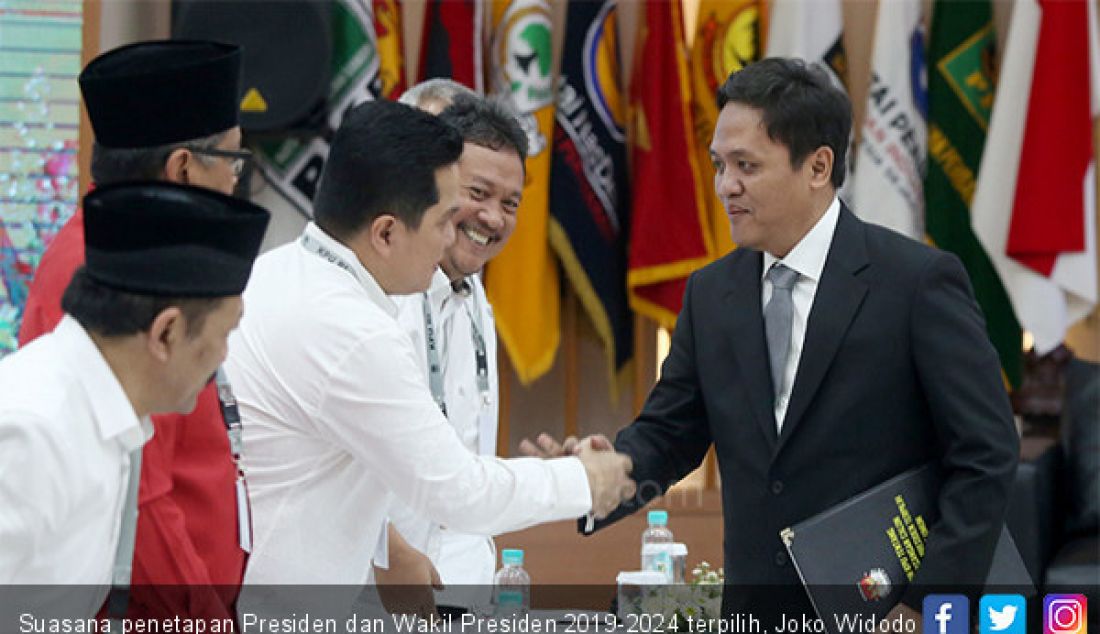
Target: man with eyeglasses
{"type": "Point", "coordinates": [167, 110]}
{"type": "Point", "coordinates": [236, 158]}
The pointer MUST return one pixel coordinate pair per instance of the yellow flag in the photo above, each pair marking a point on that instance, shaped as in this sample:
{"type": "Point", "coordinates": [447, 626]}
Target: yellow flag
{"type": "Point", "coordinates": [727, 37]}
{"type": "Point", "coordinates": [522, 282]}
{"type": "Point", "coordinates": [387, 31]}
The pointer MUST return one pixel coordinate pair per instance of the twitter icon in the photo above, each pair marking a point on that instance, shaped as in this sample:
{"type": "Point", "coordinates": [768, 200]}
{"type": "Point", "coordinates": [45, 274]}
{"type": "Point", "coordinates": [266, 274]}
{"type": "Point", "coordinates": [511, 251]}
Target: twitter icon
{"type": "Point", "coordinates": [1002, 614]}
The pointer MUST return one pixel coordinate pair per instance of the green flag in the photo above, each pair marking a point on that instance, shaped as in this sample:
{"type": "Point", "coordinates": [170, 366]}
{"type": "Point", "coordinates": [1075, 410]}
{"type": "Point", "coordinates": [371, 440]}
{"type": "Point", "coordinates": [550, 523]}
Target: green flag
{"type": "Point", "coordinates": [960, 99]}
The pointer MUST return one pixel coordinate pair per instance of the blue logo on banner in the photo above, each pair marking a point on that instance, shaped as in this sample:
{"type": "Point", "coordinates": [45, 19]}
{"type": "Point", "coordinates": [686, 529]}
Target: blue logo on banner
{"type": "Point", "coordinates": [946, 614]}
{"type": "Point", "coordinates": [1002, 614]}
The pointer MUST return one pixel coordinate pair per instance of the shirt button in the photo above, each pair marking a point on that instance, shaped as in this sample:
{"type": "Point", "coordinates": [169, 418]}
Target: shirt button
{"type": "Point", "coordinates": [777, 487]}
{"type": "Point", "coordinates": [781, 559]}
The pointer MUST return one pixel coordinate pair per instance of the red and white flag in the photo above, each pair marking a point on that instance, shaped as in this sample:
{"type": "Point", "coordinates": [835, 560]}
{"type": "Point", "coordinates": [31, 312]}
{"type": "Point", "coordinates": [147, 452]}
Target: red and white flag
{"type": "Point", "coordinates": [1035, 205]}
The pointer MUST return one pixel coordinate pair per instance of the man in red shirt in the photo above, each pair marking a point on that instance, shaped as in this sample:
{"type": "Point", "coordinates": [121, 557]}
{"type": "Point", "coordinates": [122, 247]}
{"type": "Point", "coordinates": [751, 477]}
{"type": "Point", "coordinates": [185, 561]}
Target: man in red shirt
{"type": "Point", "coordinates": [166, 110]}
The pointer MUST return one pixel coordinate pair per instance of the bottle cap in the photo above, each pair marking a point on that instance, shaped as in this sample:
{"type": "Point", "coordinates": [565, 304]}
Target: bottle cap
{"type": "Point", "coordinates": [658, 518]}
{"type": "Point", "coordinates": [512, 556]}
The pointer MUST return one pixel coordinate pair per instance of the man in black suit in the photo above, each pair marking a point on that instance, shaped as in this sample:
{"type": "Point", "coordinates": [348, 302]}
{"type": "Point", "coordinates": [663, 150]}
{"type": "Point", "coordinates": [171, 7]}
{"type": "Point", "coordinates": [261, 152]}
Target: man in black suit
{"type": "Point", "coordinates": [821, 357]}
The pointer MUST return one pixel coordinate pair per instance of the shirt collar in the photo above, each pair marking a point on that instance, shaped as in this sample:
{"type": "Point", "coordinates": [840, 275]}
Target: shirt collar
{"type": "Point", "coordinates": [440, 289]}
{"type": "Point", "coordinates": [353, 266]}
{"type": "Point", "coordinates": [114, 414]}
{"type": "Point", "coordinates": [807, 257]}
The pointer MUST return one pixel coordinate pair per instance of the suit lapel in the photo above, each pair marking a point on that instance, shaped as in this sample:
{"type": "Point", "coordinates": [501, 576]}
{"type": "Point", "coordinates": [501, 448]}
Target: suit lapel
{"type": "Point", "coordinates": [746, 334]}
{"type": "Point", "coordinates": [839, 295]}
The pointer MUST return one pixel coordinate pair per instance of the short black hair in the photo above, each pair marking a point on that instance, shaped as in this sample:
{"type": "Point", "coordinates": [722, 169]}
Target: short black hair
{"type": "Point", "coordinates": [117, 165]}
{"type": "Point", "coordinates": [801, 107]}
{"type": "Point", "coordinates": [110, 312]}
{"type": "Point", "coordinates": [383, 160]}
{"type": "Point", "coordinates": [486, 121]}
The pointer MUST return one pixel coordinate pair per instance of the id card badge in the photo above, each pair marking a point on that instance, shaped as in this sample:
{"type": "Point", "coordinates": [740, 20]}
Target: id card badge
{"type": "Point", "coordinates": [244, 516]}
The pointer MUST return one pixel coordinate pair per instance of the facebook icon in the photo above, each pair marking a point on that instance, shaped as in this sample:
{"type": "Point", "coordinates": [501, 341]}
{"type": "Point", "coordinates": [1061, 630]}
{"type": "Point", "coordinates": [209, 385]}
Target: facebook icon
{"type": "Point", "coordinates": [946, 614]}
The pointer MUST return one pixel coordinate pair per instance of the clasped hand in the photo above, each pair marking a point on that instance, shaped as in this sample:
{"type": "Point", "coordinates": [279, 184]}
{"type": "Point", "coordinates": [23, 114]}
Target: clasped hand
{"type": "Point", "coordinates": [608, 471]}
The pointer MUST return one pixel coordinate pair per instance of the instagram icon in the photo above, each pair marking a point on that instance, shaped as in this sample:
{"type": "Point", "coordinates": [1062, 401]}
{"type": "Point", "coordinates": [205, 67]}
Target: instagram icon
{"type": "Point", "coordinates": [1065, 614]}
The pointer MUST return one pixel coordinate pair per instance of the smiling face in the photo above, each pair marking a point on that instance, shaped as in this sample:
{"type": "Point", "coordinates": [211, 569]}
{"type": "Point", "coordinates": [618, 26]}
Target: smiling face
{"type": "Point", "coordinates": [491, 184]}
{"type": "Point", "coordinates": [770, 204]}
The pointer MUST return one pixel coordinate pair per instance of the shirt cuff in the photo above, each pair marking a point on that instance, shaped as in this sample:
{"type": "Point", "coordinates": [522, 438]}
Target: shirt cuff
{"type": "Point", "coordinates": [574, 494]}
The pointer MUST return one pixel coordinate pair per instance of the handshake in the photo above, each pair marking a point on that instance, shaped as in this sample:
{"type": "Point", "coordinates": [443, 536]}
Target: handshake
{"type": "Point", "coordinates": [608, 471]}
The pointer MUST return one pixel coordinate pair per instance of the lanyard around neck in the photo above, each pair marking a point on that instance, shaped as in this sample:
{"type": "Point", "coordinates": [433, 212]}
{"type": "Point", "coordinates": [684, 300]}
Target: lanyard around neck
{"type": "Point", "coordinates": [119, 598]}
{"type": "Point", "coordinates": [314, 246]}
{"type": "Point", "coordinates": [231, 415]}
{"type": "Point", "coordinates": [435, 367]}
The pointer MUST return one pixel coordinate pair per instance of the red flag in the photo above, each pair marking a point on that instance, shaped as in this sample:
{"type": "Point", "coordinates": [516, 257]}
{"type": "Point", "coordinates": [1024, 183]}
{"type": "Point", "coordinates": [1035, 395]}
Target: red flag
{"type": "Point", "coordinates": [668, 228]}
{"type": "Point", "coordinates": [1048, 217]}
{"type": "Point", "coordinates": [451, 43]}
{"type": "Point", "coordinates": [1030, 187]}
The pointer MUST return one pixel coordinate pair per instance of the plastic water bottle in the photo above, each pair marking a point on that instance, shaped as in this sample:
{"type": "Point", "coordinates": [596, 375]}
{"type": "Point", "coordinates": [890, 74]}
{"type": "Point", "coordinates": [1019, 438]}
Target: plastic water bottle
{"type": "Point", "coordinates": [656, 544]}
{"type": "Point", "coordinates": [512, 594]}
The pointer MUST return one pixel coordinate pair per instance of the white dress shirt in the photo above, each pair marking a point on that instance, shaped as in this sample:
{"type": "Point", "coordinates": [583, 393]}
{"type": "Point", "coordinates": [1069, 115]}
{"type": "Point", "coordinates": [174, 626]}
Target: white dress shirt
{"type": "Point", "coordinates": [461, 558]}
{"type": "Point", "coordinates": [338, 415]}
{"type": "Point", "coordinates": [66, 433]}
{"type": "Point", "coordinates": [808, 259]}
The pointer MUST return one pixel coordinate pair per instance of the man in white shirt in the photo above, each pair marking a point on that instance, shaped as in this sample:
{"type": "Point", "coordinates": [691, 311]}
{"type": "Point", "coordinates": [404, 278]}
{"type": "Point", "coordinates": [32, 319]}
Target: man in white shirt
{"type": "Point", "coordinates": [146, 324]}
{"type": "Point", "coordinates": [464, 381]}
{"type": "Point", "coordinates": [337, 412]}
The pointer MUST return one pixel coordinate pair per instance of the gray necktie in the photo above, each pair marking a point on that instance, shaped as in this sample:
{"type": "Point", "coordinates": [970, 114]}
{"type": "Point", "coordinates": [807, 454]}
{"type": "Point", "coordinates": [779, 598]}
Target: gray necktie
{"type": "Point", "coordinates": [777, 321]}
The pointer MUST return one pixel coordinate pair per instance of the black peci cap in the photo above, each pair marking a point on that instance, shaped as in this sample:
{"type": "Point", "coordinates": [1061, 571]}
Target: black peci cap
{"type": "Point", "coordinates": [162, 92]}
{"type": "Point", "coordinates": [164, 239]}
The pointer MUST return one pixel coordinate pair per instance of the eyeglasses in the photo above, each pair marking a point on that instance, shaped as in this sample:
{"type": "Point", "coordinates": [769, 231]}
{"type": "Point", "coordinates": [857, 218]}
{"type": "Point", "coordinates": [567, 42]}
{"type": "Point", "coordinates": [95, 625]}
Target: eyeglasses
{"type": "Point", "coordinates": [237, 158]}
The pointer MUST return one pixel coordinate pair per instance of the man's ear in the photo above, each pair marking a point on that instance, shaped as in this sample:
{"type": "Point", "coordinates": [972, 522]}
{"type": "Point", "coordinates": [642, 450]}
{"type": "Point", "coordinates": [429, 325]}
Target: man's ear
{"type": "Point", "coordinates": [168, 329]}
{"type": "Point", "coordinates": [382, 233]}
{"type": "Point", "coordinates": [178, 164]}
{"type": "Point", "coordinates": [821, 167]}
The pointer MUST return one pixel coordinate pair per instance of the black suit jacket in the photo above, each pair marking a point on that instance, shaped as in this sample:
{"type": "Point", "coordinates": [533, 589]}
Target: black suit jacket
{"type": "Point", "coordinates": [896, 371]}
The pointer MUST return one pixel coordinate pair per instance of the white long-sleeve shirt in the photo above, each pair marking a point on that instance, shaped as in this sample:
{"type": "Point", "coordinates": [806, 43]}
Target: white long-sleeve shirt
{"type": "Point", "coordinates": [338, 416]}
{"type": "Point", "coordinates": [67, 430]}
{"type": "Point", "coordinates": [461, 558]}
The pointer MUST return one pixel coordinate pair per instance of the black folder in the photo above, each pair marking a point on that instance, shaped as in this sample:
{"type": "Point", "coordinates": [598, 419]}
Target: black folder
{"type": "Point", "coordinates": [855, 558]}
